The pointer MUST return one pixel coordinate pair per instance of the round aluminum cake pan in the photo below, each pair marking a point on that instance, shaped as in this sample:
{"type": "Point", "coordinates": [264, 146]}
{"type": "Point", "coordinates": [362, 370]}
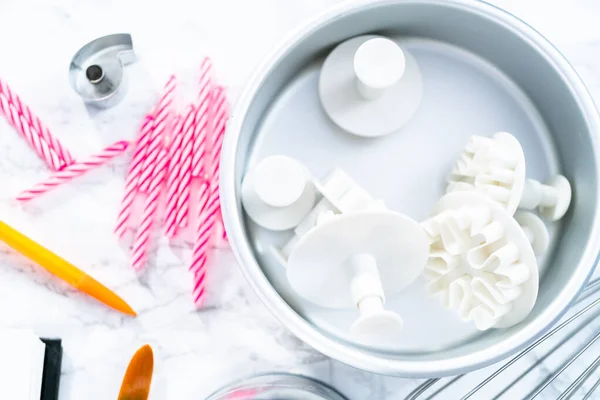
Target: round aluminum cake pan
{"type": "Point", "coordinates": [484, 71]}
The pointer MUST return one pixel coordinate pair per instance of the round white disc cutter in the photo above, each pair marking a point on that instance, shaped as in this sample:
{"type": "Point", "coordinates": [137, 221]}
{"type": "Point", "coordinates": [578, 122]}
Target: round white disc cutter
{"type": "Point", "coordinates": [369, 86]}
{"type": "Point", "coordinates": [354, 260]}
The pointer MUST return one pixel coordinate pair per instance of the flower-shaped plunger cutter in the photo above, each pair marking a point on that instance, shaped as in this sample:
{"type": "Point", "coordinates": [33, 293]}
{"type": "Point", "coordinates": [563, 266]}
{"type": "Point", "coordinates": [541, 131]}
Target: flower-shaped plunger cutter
{"type": "Point", "coordinates": [369, 86]}
{"type": "Point", "coordinates": [481, 261]}
{"type": "Point", "coordinates": [278, 193]}
{"type": "Point", "coordinates": [354, 260]}
{"type": "Point", "coordinates": [496, 167]}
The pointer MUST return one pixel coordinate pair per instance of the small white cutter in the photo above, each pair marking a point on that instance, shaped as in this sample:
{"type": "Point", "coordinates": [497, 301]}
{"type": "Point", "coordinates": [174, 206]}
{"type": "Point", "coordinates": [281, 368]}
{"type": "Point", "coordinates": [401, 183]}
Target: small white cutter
{"type": "Point", "coordinates": [496, 167]}
{"type": "Point", "coordinates": [337, 194]}
{"type": "Point", "coordinates": [355, 260]}
{"type": "Point", "coordinates": [481, 261]}
{"type": "Point", "coordinates": [369, 86]}
{"type": "Point", "coordinates": [278, 193]}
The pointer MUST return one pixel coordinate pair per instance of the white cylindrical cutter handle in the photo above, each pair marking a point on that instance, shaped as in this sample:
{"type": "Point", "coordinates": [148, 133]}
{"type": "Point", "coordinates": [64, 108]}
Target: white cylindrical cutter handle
{"type": "Point", "coordinates": [279, 181]}
{"type": "Point", "coordinates": [378, 64]}
{"type": "Point", "coordinates": [536, 194]}
{"type": "Point", "coordinates": [532, 194]}
{"type": "Point", "coordinates": [367, 294]}
{"type": "Point", "coordinates": [364, 278]}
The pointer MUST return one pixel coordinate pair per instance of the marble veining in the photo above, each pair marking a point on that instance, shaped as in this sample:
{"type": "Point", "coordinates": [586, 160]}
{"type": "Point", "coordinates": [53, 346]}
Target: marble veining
{"type": "Point", "coordinates": [196, 351]}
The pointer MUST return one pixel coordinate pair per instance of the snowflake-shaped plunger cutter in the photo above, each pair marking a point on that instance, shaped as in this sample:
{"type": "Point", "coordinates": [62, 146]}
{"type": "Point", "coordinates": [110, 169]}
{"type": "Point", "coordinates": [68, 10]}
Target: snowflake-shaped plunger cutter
{"type": "Point", "coordinates": [495, 167]}
{"type": "Point", "coordinates": [481, 262]}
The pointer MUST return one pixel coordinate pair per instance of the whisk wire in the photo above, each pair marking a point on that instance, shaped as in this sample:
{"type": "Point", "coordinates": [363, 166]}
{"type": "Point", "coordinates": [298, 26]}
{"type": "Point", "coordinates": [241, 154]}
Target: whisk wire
{"type": "Point", "coordinates": [592, 288]}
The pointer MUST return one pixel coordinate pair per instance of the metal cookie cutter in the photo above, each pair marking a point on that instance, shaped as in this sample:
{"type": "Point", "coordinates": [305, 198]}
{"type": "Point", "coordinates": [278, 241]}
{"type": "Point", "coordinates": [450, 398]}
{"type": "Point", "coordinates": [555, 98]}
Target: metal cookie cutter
{"type": "Point", "coordinates": [96, 70]}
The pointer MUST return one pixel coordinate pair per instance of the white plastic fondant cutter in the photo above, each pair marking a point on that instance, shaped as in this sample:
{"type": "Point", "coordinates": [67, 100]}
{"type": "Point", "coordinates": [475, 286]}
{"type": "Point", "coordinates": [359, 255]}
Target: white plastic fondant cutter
{"type": "Point", "coordinates": [496, 167]}
{"type": "Point", "coordinates": [535, 230]}
{"type": "Point", "coordinates": [355, 260]}
{"type": "Point", "coordinates": [278, 193]}
{"type": "Point", "coordinates": [370, 86]}
{"type": "Point", "coordinates": [337, 194]}
{"type": "Point", "coordinates": [481, 261]}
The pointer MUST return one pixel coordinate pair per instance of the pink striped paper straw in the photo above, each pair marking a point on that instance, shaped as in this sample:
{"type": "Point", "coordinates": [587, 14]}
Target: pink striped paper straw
{"type": "Point", "coordinates": [178, 184]}
{"type": "Point", "coordinates": [210, 197]}
{"type": "Point", "coordinates": [74, 170]}
{"type": "Point", "coordinates": [138, 163]}
{"type": "Point", "coordinates": [174, 155]}
{"type": "Point", "coordinates": [204, 149]}
{"type": "Point", "coordinates": [200, 131]}
{"type": "Point", "coordinates": [185, 177]}
{"type": "Point", "coordinates": [191, 155]}
{"type": "Point", "coordinates": [133, 175]}
{"type": "Point", "coordinates": [19, 122]}
{"type": "Point", "coordinates": [162, 117]}
{"type": "Point", "coordinates": [152, 180]}
{"type": "Point", "coordinates": [178, 195]}
{"type": "Point", "coordinates": [156, 185]}
{"type": "Point", "coordinates": [32, 129]}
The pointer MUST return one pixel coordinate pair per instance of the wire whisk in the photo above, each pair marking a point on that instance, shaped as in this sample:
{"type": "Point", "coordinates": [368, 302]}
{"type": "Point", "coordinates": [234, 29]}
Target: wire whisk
{"type": "Point", "coordinates": [510, 380]}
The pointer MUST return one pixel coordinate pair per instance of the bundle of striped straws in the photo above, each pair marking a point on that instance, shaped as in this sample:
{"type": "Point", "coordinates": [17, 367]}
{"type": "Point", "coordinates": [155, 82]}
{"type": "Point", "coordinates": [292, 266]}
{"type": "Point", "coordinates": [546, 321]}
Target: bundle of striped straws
{"type": "Point", "coordinates": [65, 168]}
{"type": "Point", "coordinates": [173, 153]}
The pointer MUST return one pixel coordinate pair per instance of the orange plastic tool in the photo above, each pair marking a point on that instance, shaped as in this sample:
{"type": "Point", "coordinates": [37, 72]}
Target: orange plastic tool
{"type": "Point", "coordinates": [138, 377]}
{"type": "Point", "coordinates": [62, 268]}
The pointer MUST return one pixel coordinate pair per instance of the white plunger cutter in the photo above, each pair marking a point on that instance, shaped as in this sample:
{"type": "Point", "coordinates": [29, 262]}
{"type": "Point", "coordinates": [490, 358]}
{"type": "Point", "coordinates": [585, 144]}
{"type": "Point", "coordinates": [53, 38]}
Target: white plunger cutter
{"type": "Point", "coordinates": [552, 201]}
{"type": "Point", "coordinates": [337, 193]}
{"type": "Point", "coordinates": [367, 293]}
{"type": "Point", "coordinates": [369, 86]}
{"type": "Point", "coordinates": [535, 230]}
{"type": "Point", "coordinates": [355, 260]}
{"type": "Point", "coordinates": [278, 193]}
{"type": "Point", "coordinates": [482, 262]}
{"type": "Point", "coordinates": [379, 64]}
{"type": "Point", "coordinates": [496, 167]}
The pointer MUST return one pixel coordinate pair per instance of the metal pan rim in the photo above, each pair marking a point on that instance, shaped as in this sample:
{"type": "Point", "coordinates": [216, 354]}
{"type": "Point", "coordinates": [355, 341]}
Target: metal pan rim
{"type": "Point", "coordinates": [356, 357]}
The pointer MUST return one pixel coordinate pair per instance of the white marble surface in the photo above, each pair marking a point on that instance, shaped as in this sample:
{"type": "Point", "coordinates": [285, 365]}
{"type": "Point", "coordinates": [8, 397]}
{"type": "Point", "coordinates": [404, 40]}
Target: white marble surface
{"type": "Point", "coordinates": [195, 351]}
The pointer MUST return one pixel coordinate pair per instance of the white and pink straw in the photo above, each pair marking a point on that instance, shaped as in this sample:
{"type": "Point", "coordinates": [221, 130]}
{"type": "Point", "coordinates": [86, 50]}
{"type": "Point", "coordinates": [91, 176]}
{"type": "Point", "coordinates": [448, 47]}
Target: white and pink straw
{"type": "Point", "coordinates": [163, 116]}
{"type": "Point", "coordinates": [180, 177]}
{"type": "Point", "coordinates": [152, 177]}
{"type": "Point", "coordinates": [131, 182]}
{"type": "Point", "coordinates": [210, 205]}
{"type": "Point", "coordinates": [33, 130]}
{"type": "Point", "coordinates": [74, 170]}
{"type": "Point", "coordinates": [140, 167]}
{"type": "Point", "coordinates": [178, 194]}
{"type": "Point", "coordinates": [202, 119]}
{"type": "Point", "coordinates": [175, 171]}
{"type": "Point", "coordinates": [150, 214]}
{"type": "Point", "coordinates": [171, 153]}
